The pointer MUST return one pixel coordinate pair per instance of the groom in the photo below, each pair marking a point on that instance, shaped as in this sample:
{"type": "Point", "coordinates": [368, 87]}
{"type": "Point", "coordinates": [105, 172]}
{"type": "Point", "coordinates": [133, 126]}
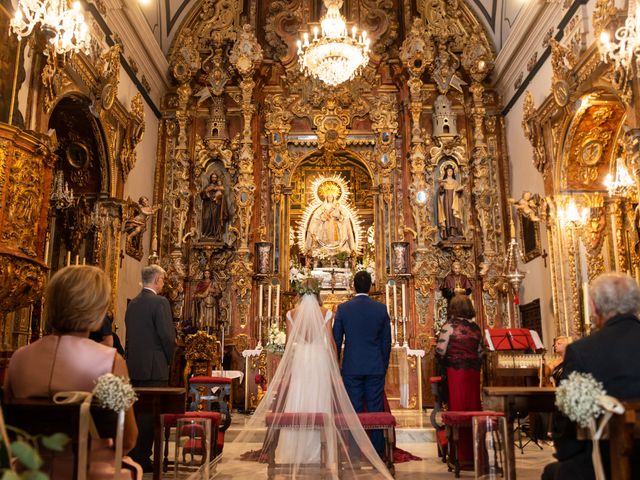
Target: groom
{"type": "Point", "coordinates": [364, 326]}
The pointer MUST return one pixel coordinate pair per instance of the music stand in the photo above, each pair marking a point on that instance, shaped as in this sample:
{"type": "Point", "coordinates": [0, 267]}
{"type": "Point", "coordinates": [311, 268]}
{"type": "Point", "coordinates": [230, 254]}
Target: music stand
{"type": "Point", "coordinates": [511, 339]}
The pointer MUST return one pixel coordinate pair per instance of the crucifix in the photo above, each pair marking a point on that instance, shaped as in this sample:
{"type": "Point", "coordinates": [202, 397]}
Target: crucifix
{"type": "Point", "coordinates": [544, 257]}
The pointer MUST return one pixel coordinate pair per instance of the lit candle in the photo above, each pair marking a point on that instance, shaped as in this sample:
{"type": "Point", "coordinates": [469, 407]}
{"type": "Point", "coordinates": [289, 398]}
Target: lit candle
{"type": "Point", "coordinates": [395, 300]}
{"type": "Point", "coordinates": [404, 301]}
{"type": "Point", "coordinates": [77, 259]}
{"type": "Point", "coordinates": [386, 294]}
{"type": "Point", "coordinates": [84, 262]}
{"type": "Point", "coordinates": [277, 300]}
{"type": "Point", "coordinates": [260, 301]}
{"type": "Point", "coordinates": [68, 258]}
{"type": "Point", "coordinates": [585, 301]}
{"type": "Point", "coordinates": [46, 252]}
{"type": "Point", "coordinates": [269, 301]}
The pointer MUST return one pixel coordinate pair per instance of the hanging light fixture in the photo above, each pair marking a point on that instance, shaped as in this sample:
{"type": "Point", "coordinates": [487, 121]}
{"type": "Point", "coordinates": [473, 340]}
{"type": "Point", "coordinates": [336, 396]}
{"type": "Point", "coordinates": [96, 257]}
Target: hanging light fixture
{"type": "Point", "coordinates": [622, 182]}
{"type": "Point", "coordinates": [64, 27]}
{"type": "Point", "coordinates": [570, 215]}
{"type": "Point", "coordinates": [627, 40]}
{"type": "Point", "coordinates": [61, 195]}
{"type": "Point", "coordinates": [334, 56]}
{"type": "Point", "coordinates": [511, 271]}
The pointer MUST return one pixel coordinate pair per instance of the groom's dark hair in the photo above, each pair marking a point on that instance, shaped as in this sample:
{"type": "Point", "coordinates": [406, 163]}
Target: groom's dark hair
{"type": "Point", "coordinates": [362, 281]}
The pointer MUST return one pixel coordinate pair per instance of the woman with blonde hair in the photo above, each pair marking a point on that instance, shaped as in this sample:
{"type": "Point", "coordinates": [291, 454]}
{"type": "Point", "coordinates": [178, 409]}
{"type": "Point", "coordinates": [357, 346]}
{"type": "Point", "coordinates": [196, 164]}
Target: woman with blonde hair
{"type": "Point", "coordinates": [76, 301]}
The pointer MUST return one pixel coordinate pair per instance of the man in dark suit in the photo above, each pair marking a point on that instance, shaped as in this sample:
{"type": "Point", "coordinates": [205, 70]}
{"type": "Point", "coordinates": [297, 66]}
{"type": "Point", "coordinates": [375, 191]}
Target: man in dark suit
{"type": "Point", "coordinates": [363, 324]}
{"type": "Point", "coordinates": [612, 355]}
{"type": "Point", "coordinates": [150, 343]}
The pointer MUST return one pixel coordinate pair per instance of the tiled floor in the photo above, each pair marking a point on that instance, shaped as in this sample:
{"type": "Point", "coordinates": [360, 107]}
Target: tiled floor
{"type": "Point", "coordinates": [414, 434]}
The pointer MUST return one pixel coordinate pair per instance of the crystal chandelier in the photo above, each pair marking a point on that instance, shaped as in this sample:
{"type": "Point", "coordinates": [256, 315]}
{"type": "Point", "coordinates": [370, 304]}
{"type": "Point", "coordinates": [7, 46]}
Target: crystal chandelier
{"type": "Point", "coordinates": [570, 215]}
{"type": "Point", "coordinates": [622, 182]}
{"type": "Point", "coordinates": [335, 56]}
{"type": "Point", "coordinates": [64, 27]}
{"type": "Point", "coordinates": [627, 40]}
{"type": "Point", "coordinates": [62, 195]}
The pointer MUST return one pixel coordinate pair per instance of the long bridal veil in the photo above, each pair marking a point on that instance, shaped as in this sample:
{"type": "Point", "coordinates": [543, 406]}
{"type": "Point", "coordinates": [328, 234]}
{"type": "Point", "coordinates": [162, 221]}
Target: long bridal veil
{"type": "Point", "coordinates": [305, 422]}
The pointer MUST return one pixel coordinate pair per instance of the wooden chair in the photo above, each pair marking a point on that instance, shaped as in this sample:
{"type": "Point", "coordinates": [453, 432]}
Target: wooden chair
{"type": "Point", "coordinates": [202, 353]}
{"type": "Point", "coordinates": [624, 438]}
{"type": "Point", "coordinates": [43, 417]}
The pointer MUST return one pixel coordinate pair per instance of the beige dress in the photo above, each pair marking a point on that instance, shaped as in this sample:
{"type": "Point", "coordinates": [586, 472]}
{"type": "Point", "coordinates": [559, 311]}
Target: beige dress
{"type": "Point", "coordinates": [59, 363]}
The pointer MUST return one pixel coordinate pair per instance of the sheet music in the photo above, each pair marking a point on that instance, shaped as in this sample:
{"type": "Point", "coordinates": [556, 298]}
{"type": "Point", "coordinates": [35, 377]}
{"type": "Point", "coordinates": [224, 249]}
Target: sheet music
{"type": "Point", "coordinates": [536, 340]}
{"type": "Point", "coordinates": [487, 337]}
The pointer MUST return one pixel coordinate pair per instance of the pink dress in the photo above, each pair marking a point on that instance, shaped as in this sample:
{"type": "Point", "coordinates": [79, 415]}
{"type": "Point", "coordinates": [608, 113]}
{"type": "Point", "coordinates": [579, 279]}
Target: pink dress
{"type": "Point", "coordinates": [58, 363]}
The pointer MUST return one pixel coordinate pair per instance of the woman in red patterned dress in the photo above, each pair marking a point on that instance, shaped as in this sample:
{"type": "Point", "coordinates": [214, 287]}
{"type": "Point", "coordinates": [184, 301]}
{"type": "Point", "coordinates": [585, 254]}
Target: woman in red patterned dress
{"type": "Point", "coordinates": [460, 346]}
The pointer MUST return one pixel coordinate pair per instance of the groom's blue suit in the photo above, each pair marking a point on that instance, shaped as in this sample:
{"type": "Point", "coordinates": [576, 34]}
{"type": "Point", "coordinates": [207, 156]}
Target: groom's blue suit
{"type": "Point", "coordinates": [364, 326]}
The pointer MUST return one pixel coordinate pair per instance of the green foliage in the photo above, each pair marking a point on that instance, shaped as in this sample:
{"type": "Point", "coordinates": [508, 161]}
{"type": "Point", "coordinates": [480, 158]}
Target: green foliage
{"type": "Point", "coordinates": [26, 450]}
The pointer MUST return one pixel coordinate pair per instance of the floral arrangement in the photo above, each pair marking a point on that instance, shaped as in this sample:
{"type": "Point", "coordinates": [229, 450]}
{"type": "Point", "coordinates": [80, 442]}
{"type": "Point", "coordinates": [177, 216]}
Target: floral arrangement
{"type": "Point", "coordinates": [260, 381]}
{"type": "Point", "coordinates": [577, 397]}
{"type": "Point", "coordinates": [276, 339]}
{"type": "Point", "coordinates": [297, 274]}
{"type": "Point", "coordinates": [114, 393]}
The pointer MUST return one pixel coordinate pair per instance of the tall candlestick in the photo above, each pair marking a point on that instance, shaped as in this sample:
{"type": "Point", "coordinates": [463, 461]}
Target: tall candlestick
{"type": "Point", "coordinates": [84, 261]}
{"type": "Point", "coordinates": [46, 252]}
{"type": "Point", "coordinates": [395, 300]}
{"type": "Point", "coordinates": [68, 258]}
{"type": "Point", "coordinates": [404, 301]}
{"type": "Point", "coordinates": [277, 300]}
{"type": "Point", "coordinates": [585, 301]}
{"type": "Point", "coordinates": [260, 301]}
{"type": "Point", "coordinates": [269, 301]}
{"type": "Point", "coordinates": [386, 295]}
{"type": "Point", "coordinates": [77, 259]}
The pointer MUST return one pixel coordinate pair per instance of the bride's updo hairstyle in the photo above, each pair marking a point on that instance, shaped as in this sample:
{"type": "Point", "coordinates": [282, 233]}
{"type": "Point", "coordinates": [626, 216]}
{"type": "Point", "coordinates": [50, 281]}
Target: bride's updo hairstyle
{"type": "Point", "coordinates": [309, 285]}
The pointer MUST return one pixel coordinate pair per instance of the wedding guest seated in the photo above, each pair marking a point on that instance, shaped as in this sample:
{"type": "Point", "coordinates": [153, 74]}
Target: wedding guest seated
{"type": "Point", "coordinates": [76, 302]}
{"type": "Point", "coordinates": [612, 356]}
{"type": "Point", "coordinates": [554, 368]}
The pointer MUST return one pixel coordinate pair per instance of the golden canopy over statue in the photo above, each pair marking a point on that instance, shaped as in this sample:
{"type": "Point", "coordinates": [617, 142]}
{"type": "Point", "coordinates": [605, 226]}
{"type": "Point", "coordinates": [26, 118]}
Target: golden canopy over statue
{"type": "Point", "coordinates": [329, 225]}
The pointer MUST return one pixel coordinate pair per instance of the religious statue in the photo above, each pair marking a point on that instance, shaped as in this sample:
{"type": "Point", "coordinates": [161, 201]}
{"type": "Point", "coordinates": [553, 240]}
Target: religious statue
{"type": "Point", "coordinates": [330, 224]}
{"type": "Point", "coordinates": [455, 282]}
{"type": "Point", "coordinates": [214, 209]}
{"type": "Point", "coordinates": [206, 298]}
{"type": "Point", "coordinates": [450, 205]}
{"type": "Point", "coordinates": [528, 205]}
{"type": "Point", "coordinates": [138, 224]}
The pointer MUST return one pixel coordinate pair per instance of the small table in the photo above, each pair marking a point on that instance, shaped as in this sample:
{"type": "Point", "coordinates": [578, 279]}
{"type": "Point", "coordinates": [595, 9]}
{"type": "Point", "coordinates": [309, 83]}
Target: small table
{"type": "Point", "coordinates": [159, 400]}
{"type": "Point", "coordinates": [511, 400]}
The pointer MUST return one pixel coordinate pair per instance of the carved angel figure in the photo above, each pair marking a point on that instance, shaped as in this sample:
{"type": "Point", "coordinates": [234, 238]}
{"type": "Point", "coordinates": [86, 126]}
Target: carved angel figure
{"type": "Point", "coordinates": [527, 205]}
{"type": "Point", "coordinates": [138, 224]}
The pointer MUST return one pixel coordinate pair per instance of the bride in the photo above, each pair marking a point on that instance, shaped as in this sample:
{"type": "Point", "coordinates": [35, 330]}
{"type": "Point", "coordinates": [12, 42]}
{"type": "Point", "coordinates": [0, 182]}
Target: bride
{"type": "Point", "coordinates": [307, 387]}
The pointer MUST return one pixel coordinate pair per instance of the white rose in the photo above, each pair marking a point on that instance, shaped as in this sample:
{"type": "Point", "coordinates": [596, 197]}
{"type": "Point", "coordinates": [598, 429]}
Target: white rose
{"type": "Point", "coordinates": [281, 338]}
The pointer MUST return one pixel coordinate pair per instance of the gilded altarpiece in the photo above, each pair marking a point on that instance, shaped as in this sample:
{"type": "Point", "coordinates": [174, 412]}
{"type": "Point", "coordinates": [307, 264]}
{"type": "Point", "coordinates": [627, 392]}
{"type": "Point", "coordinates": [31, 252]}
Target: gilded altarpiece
{"type": "Point", "coordinates": [244, 136]}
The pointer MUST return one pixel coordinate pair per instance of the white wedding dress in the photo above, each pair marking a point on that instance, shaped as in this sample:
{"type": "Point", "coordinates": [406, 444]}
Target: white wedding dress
{"type": "Point", "coordinates": [309, 385]}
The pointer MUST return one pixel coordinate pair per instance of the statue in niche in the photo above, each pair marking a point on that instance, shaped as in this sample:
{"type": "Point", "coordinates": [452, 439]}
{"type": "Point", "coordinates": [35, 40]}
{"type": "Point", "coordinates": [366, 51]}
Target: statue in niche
{"type": "Point", "coordinates": [206, 302]}
{"type": "Point", "coordinates": [455, 282]}
{"type": "Point", "coordinates": [330, 224]}
{"type": "Point", "coordinates": [450, 205]}
{"type": "Point", "coordinates": [214, 209]}
{"type": "Point", "coordinates": [137, 225]}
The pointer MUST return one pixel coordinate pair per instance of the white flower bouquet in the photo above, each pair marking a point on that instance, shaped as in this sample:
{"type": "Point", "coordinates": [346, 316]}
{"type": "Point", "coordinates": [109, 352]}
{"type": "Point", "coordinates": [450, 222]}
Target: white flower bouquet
{"type": "Point", "coordinates": [276, 339]}
{"type": "Point", "coordinates": [114, 393]}
{"type": "Point", "coordinates": [583, 399]}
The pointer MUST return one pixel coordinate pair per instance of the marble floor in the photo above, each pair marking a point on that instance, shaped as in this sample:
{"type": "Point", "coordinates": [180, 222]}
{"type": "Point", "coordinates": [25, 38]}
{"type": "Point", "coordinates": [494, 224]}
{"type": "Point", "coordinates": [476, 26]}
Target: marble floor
{"type": "Point", "coordinates": [414, 434]}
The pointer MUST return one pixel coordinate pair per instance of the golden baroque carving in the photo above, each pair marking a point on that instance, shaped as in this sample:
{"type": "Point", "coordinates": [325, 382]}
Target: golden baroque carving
{"type": "Point", "coordinates": [241, 274]}
{"type": "Point", "coordinates": [533, 131]}
{"type": "Point", "coordinates": [246, 53]}
{"type": "Point", "coordinates": [417, 51]}
{"type": "Point", "coordinates": [109, 74]}
{"type": "Point", "coordinates": [21, 282]}
{"type": "Point", "coordinates": [134, 131]}
{"type": "Point", "coordinates": [477, 58]}
{"type": "Point", "coordinates": [332, 122]}
{"type": "Point", "coordinates": [603, 12]}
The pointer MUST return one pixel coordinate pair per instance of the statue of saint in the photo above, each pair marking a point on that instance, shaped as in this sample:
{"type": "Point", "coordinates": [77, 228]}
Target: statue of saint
{"type": "Point", "coordinates": [450, 205]}
{"type": "Point", "coordinates": [138, 224]}
{"type": "Point", "coordinates": [455, 282]}
{"type": "Point", "coordinates": [330, 225]}
{"type": "Point", "coordinates": [214, 209]}
{"type": "Point", "coordinates": [206, 303]}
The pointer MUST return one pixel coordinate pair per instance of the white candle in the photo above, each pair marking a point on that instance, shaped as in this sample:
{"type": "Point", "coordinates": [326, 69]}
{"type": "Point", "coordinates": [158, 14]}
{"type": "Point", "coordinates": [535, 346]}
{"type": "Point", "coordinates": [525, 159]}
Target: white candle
{"type": "Point", "coordinates": [386, 294]}
{"type": "Point", "coordinates": [260, 301]}
{"type": "Point", "coordinates": [404, 301]}
{"type": "Point", "coordinates": [585, 301]}
{"type": "Point", "coordinates": [68, 258]}
{"type": "Point", "coordinates": [277, 300]}
{"type": "Point", "coordinates": [77, 259]}
{"type": "Point", "coordinates": [46, 252]}
{"type": "Point", "coordinates": [395, 300]}
{"type": "Point", "coordinates": [84, 261]}
{"type": "Point", "coordinates": [269, 301]}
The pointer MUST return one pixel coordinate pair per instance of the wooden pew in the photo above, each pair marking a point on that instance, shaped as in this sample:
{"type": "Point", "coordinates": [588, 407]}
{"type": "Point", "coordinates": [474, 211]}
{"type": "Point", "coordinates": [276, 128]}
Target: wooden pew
{"type": "Point", "coordinates": [624, 438]}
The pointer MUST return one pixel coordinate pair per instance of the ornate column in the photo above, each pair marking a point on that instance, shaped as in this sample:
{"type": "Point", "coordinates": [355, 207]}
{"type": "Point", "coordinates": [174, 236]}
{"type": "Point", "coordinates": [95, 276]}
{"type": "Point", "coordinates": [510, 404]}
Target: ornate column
{"type": "Point", "coordinates": [246, 56]}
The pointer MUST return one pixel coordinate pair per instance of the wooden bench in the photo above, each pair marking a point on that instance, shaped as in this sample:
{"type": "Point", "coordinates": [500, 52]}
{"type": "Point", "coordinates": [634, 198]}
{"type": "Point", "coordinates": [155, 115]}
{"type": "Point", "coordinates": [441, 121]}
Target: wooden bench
{"type": "Point", "coordinates": [624, 438]}
{"type": "Point", "coordinates": [43, 417]}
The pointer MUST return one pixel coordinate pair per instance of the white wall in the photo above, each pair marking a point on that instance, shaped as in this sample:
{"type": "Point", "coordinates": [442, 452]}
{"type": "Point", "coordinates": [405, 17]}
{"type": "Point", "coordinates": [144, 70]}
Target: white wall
{"type": "Point", "coordinates": [525, 177]}
{"type": "Point", "coordinates": [139, 182]}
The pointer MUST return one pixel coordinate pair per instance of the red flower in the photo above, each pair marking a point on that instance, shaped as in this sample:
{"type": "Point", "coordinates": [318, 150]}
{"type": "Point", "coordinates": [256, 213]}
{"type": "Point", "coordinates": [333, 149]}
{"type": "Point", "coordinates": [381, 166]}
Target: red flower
{"type": "Point", "coordinates": [259, 379]}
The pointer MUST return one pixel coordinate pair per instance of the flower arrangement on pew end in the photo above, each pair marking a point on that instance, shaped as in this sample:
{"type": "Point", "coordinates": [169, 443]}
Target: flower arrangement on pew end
{"type": "Point", "coordinates": [583, 399]}
{"type": "Point", "coordinates": [114, 392]}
